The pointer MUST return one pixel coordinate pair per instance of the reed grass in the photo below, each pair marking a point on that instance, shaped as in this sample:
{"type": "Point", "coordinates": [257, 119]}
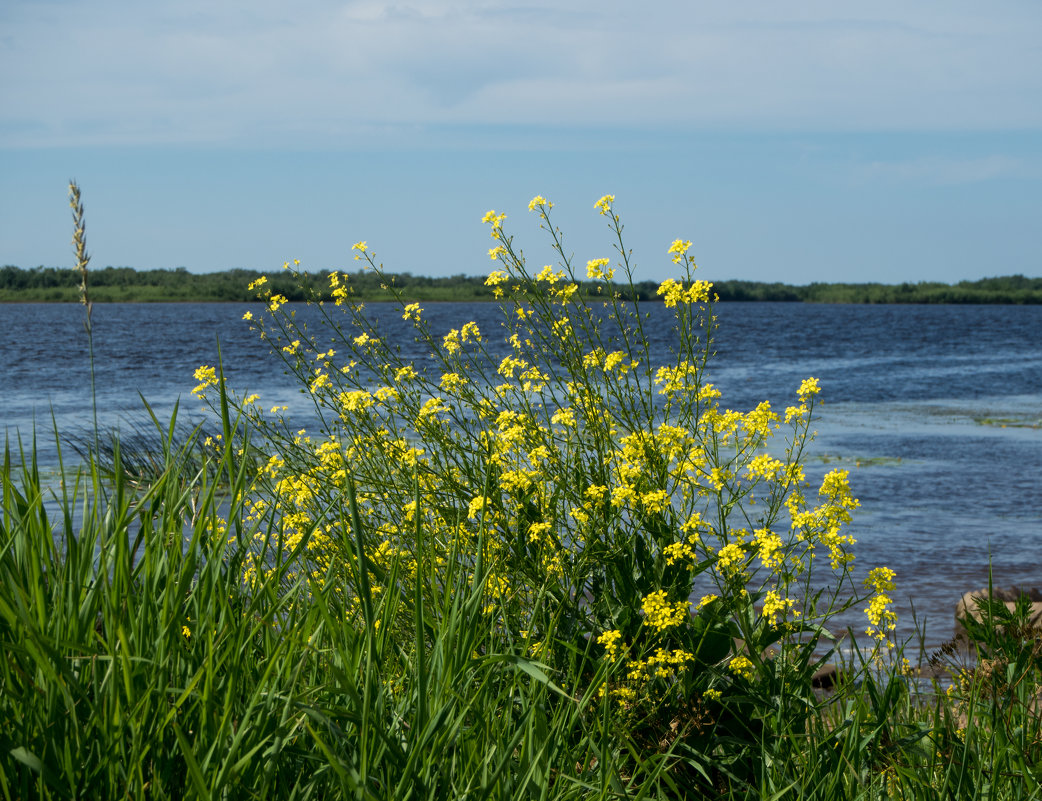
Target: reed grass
{"type": "Point", "coordinates": [135, 662]}
{"type": "Point", "coordinates": [79, 242]}
{"type": "Point", "coordinates": [146, 446]}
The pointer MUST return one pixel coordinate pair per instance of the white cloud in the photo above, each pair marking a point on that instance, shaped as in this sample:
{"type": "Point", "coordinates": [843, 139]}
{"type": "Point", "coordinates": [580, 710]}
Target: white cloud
{"type": "Point", "coordinates": [944, 171]}
{"type": "Point", "coordinates": [321, 72]}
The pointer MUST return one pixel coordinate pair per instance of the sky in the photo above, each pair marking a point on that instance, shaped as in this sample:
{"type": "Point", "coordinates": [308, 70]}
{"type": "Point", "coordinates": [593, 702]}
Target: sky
{"type": "Point", "coordinates": [789, 141]}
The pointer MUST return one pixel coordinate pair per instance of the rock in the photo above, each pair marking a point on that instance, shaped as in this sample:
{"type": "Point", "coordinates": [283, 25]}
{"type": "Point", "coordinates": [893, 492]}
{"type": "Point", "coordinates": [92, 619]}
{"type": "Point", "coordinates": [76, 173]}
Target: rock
{"type": "Point", "coordinates": [968, 607]}
{"type": "Point", "coordinates": [825, 677]}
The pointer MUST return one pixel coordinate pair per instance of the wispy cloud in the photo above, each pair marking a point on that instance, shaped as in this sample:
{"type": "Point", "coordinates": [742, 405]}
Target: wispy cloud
{"type": "Point", "coordinates": [321, 72]}
{"type": "Point", "coordinates": [944, 171]}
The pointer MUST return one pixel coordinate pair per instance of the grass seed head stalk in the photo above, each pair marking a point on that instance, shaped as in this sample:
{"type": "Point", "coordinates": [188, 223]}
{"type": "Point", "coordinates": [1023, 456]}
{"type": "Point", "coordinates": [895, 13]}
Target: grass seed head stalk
{"type": "Point", "coordinates": [79, 242]}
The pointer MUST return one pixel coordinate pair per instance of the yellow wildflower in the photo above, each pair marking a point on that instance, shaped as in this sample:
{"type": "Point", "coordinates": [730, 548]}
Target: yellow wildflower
{"type": "Point", "coordinates": [674, 293]}
{"type": "Point", "coordinates": [207, 377]}
{"type": "Point", "coordinates": [547, 274]}
{"type": "Point", "coordinates": [384, 394]}
{"type": "Point", "coordinates": [679, 249]}
{"type": "Point", "coordinates": [741, 666]}
{"type": "Point", "coordinates": [450, 382]}
{"type": "Point", "coordinates": [477, 505]}
{"type": "Point", "coordinates": [610, 641]}
{"type": "Point", "coordinates": [705, 600]}
{"type": "Point", "coordinates": [563, 417]}
{"type": "Point", "coordinates": [655, 501]}
{"type": "Point", "coordinates": [774, 605]}
{"type": "Point", "coordinates": [431, 407]}
{"type": "Point", "coordinates": [356, 400]}
{"type": "Point", "coordinates": [495, 220]}
{"type": "Point", "coordinates": [595, 270]}
{"type": "Point", "coordinates": [880, 616]}
{"type": "Point", "coordinates": [537, 530]}
{"type": "Point", "coordinates": [808, 387]}
{"type": "Point", "coordinates": [678, 551]}
{"type": "Point", "coordinates": [731, 559]}
{"type": "Point", "coordinates": [660, 614]}
{"type": "Point", "coordinates": [764, 466]}
{"type": "Point", "coordinates": [320, 381]}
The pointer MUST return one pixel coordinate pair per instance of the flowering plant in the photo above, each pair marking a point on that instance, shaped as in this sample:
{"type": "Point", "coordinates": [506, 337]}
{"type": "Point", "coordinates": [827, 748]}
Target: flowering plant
{"type": "Point", "coordinates": [624, 526]}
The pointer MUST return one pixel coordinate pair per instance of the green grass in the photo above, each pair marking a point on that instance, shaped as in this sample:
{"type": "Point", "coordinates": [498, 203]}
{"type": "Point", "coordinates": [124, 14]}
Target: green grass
{"type": "Point", "coordinates": [138, 663]}
{"type": "Point", "coordinates": [278, 690]}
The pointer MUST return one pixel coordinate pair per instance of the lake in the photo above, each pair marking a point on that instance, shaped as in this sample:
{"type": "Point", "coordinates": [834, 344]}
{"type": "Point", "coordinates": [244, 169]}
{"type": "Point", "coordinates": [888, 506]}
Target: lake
{"type": "Point", "coordinates": [935, 410]}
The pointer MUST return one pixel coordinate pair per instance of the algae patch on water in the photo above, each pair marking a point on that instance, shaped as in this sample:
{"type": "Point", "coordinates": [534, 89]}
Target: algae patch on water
{"type": "Point", "coordinates": [860, 461]}
{"type": "Point", "coordinates": [1009, 422]}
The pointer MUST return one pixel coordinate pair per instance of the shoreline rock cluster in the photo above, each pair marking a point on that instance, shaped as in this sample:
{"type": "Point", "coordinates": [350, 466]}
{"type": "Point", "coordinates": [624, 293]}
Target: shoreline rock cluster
{"type": "Point", "coordinates": [970, 605]}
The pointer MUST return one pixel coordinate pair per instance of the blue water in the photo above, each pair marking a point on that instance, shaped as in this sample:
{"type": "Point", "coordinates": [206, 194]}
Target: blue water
{"type": "Point", "coordinates": [936, 410]}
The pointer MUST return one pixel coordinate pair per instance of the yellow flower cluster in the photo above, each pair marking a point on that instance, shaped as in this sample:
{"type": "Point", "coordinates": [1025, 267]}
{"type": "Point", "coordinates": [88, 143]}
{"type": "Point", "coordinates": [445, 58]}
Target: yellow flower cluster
{"type": "Point", "coordinates": [679, 249]}
{"type": "Point", "coordinates": [549, 275]}
{"type": "Point", "coordinates": [207, 377]}
{"type": "Point", "coordinates": [730, 561]}
{"type": "Point", "coordinates": [881, 616]}
{"type": "Point", "coordinates": [663, 664]}
{"type": "Point", "coordinates": [679, 552]}
{"type": "Point", "coordinates": [741, 666]}
{"type": "Point", "coordinates": [675, 294]}
{"type": "Point", "coordinates": [770, 549]}
{"type": "Point", "coordinates": [595, 270]}
{"type": "Point", "coordinates": [611, 642]}
{"type": "Point", "coordinates": [552, 470]}
{"type": "Point", "coordinates": [681, 379]}
{"type": "Point", "coordinates": [807, 388]}
{"type": "Point", "coordinates": [774, 605]}
{"type": "Point", "coordinates": [661, 614]}
{"type": "Point", "coordinates": [765, 466]}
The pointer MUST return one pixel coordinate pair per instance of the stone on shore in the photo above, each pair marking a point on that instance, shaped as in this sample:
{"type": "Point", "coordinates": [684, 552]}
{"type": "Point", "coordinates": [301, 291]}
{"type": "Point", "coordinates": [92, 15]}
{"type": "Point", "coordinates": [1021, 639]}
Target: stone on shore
{"type": "Point", "coordinates": [968, 606]}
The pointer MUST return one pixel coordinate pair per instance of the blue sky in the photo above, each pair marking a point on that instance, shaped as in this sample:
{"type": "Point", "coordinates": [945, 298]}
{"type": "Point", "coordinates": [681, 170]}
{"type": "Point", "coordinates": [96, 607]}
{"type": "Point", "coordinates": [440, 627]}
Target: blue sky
{"type": "Point", "coordinates": [790, 141]}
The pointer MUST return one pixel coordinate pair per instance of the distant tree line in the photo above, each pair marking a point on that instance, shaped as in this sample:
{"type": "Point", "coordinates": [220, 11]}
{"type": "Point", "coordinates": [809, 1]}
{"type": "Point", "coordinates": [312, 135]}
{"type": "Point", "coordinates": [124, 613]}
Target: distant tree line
{"type": "Point", "coordinates": [60, 284]}
{"type": "Point", "coordinates": [1005, 289]}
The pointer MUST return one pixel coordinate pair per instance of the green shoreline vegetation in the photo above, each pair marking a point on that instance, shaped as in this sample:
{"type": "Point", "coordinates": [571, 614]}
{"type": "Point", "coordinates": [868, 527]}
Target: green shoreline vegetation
{"type": "Point", "coordinates": [125, 284]}
{"type": "Point", "coordinates": [476, 580]}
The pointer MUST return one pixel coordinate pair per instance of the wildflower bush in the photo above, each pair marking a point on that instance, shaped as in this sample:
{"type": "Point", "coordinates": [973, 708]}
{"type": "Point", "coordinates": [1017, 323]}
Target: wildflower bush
{"type": "Point", "coordinates": [623, 525]}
